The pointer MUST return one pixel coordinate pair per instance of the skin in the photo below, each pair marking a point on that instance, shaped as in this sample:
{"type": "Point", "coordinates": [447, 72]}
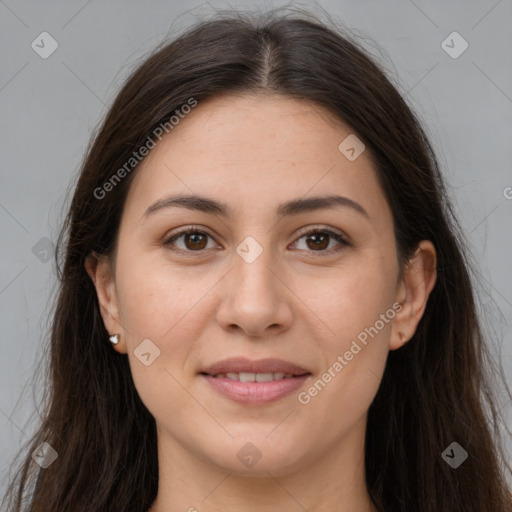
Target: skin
{"type": "Point", "coordinates": [255, 152]}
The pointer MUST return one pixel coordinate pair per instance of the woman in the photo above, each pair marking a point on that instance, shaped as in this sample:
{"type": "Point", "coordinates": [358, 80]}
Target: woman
{"type": "Point", "coordinates": [264, 301]}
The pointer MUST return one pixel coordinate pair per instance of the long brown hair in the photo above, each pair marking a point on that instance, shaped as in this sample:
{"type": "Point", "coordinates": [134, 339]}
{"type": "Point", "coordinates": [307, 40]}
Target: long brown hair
{"type": "Point", "coordinates": [434, 390]}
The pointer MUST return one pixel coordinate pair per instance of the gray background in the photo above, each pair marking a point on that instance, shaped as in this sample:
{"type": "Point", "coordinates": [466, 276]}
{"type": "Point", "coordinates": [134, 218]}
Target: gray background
{"type": "Point", "coordinates": [49, 108]}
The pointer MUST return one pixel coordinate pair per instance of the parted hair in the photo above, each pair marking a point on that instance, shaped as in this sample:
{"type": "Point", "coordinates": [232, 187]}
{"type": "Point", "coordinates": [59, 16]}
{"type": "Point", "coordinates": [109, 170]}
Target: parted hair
{"type": "Point", "coordinates": [435, 389]}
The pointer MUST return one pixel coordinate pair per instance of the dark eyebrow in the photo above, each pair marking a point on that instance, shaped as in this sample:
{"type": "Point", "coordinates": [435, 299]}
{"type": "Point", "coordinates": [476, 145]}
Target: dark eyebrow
{"type": "Point", "coordinates": [293, 207]}
{"type": "Point", "coordinates": [309, 204]}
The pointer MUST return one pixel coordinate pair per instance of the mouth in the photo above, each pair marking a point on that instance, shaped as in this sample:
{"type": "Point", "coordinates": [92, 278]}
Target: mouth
{"type": "Point", "coordinates": [254, 377]}
{"type": "Point", "coordinates": [248, 367]}
{"type": "Point", "coordinates": [254, 382]}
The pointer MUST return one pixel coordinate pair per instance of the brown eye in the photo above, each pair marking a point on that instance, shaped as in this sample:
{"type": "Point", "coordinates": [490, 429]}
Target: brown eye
{"type": "Point", "coordinates": [194, 240]}
{"type": "Point", "coordinates": [319, 240]}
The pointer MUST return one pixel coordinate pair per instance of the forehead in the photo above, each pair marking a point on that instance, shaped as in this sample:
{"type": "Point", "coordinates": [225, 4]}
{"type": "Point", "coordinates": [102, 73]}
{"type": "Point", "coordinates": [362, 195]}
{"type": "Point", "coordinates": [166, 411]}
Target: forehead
{"type": "Point", "coordinates": [273, 126]}
{"type": "Point", "coordinates": [255, 150]}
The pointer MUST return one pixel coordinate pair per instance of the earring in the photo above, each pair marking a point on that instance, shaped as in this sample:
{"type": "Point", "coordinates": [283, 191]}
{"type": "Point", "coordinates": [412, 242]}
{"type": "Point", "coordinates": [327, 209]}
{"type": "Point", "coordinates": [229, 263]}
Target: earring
{"type": "Point", "coordinates": [114, 339]}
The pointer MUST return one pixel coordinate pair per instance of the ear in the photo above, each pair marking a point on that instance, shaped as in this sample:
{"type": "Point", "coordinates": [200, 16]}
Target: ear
{"type": "Point", "coordinates": [100, 271]}
{"type": "Point", "coordinates": [413, 291]}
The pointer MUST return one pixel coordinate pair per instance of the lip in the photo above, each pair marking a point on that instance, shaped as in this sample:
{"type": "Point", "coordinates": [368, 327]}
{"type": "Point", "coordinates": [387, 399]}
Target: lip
{"type": "Point", "coordinates": [255, 393]}
{"type": "Point", "coordinates": [243, 364]}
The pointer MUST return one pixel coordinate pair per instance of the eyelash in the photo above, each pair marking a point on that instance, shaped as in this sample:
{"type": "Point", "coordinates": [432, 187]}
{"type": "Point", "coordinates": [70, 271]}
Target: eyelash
{"type": "Point", "coordinates": [312, 231]}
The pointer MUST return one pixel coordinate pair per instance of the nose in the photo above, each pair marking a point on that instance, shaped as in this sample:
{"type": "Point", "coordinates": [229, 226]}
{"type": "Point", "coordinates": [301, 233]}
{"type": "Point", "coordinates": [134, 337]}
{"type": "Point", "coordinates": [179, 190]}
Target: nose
{"type": "Point", "coordinates": [255, 298]}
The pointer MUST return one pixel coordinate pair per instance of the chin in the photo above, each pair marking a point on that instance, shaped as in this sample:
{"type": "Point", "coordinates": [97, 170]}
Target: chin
{"type": "Point", "coordinates": [248, 455]}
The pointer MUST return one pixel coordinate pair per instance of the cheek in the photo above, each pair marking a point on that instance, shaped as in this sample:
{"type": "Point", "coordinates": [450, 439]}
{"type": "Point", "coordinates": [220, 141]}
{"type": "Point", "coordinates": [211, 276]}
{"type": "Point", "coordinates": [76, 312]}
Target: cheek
{"type": "Point", "coordinates": [357, 308]}
{"type": "Point", "coordinates": [156, 305]}
{"type": "Point", "coordinates": [353, 363]}
{"type": "Point", "coordinates": [159, 303]}
{"type": "Point", "coordinates": [351, 299]}
{"type": "Point", "coordinates": [156, 299]}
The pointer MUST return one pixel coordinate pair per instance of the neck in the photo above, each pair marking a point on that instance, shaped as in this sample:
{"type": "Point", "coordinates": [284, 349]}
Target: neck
{"type": "Point", "coordinates": [334, 481]}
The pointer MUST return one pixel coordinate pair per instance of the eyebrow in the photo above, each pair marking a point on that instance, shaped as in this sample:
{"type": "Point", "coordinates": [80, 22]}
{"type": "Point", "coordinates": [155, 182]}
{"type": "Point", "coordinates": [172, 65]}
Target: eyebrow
{"type": "Point", "coordinates": [293, 207]}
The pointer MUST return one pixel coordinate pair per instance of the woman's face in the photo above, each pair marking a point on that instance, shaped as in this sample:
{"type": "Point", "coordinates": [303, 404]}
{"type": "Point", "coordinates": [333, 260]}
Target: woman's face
{"type": "Point", "coordinates": [253, 284]}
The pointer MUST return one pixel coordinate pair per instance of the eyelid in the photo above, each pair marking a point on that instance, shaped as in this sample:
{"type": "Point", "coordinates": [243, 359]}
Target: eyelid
{"type": "Point", "coordinates": [183, 231]}
{"type": "Point", "coordinates": [339, 236]}
{"type": "Point", "coordinates": [323, 229]}
{"type": "Point", "coordinates": [342, 239]}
